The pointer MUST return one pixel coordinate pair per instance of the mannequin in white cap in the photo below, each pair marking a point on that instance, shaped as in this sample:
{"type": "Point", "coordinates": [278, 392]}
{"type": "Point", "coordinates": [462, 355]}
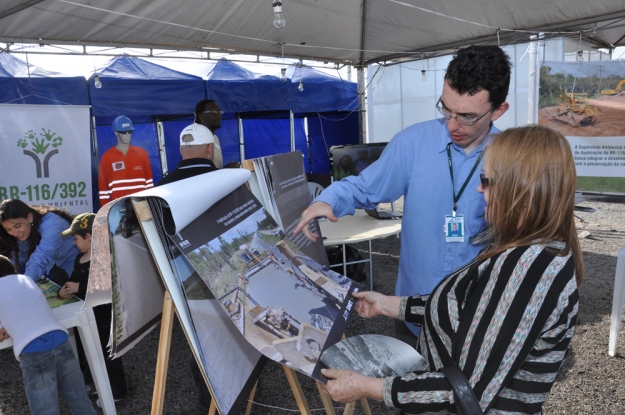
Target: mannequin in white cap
{"type": "Point", "coordinates": [197, 148]}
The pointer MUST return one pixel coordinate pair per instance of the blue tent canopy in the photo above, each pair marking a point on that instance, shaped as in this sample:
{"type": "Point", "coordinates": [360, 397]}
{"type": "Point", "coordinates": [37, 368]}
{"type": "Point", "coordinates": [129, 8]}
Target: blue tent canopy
{"type": "Point", "coordinates": [24, 84]}
{"type": "Point", "coordinates": [237, 89]}
{"type": "Point", "coordinates": [322, 92]}
{"type": "Point", "coordinates": [134, 87]}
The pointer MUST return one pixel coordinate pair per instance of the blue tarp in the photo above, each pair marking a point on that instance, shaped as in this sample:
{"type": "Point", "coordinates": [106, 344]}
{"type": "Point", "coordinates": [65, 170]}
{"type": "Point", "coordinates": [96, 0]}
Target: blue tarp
{"type": "Point", "coordinates": [236, 89]}
{"type": "Point", "coordinates": [19, 85]}
{"type": "Point", "coordinates": [134, 87]}
{"type": "Point", "coordinates": [322, 92]}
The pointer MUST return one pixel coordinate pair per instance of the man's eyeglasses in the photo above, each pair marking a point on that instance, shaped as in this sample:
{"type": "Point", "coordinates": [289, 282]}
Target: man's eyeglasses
{"type": "Point", "coordinates": [214, 112]}
{"type": "Point", "coordinates": [486, 181]}
{"type": "Point", "coordinates": [460, 119]}
{"type": "Point", "coordinates": [125, 132]}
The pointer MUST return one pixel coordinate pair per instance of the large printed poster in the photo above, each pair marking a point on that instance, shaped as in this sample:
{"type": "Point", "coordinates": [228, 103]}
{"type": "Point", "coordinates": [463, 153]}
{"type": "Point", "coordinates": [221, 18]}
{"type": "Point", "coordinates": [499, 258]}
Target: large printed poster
{"type": "Point", "coordinates": [45, 155]}
{"type": "Point", "coordinates": [585, 101]}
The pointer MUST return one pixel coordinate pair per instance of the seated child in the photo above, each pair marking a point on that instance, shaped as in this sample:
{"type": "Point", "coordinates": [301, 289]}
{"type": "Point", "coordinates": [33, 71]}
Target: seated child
{"type": "Point", "coordinates": [40, 344]}
{"type": "Point", "coordinates": [80, 229]}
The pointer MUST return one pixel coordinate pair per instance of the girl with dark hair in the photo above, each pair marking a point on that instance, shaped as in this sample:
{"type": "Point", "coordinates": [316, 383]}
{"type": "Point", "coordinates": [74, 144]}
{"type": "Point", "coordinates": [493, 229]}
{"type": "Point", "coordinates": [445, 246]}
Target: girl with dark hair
{"type": "Point", "coordinates": [31, 236]}
{"type": "Point", "coordinates": [505, 320]}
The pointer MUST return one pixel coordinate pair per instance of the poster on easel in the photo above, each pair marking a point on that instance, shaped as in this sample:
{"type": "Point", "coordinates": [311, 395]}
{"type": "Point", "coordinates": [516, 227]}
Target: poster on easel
{"type": "Point", "coordinates": [241, 288]}
{"type": "Point", "coordinates": [285, 304]}
{"type": "Point", "coordinates": [132, 265]}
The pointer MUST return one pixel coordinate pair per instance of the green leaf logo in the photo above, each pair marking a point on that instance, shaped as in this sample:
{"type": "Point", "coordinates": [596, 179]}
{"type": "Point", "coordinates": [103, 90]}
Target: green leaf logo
{"type": "Point", "coordinates": [42, 144]}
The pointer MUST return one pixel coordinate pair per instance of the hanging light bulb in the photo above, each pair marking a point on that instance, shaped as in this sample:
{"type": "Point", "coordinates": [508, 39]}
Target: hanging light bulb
{"type": "Point", "coordinates": [96, 82]}
{"type": "Point", "coordinates": [423, 76]}
{"type": "Point", "coordinates": [278, 20]}
{"type": "Point", "coordinates": [300, 88]}
{"type": "Point", "coordinates": [283, 75]}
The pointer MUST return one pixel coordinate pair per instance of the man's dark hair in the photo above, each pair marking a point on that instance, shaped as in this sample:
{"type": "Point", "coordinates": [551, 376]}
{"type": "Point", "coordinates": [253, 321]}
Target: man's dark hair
{"type": "Point", "coordinates": [478, 68]}
{"type": "Point", "coordinates": [199, 108]}
{"type": "Point", "coordinates": [6, 267]}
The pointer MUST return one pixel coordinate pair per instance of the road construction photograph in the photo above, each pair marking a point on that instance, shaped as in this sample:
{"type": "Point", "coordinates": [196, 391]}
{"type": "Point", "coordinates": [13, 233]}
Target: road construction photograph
{"type": "Point", "coordinates": [583, 99]}
{"type": "Point", "coordinates": [285, 304]}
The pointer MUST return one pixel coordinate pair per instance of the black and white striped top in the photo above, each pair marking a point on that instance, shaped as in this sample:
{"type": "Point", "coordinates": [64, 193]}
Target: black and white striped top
{"type": "Point", "coordinates": [506, 322]}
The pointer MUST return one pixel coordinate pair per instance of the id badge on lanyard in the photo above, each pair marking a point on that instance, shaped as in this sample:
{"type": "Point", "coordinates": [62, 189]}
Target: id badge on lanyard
{"type": "Point", "coordinates": [454, 223]}
{"type": "Point", "coordinates": [454, 228]}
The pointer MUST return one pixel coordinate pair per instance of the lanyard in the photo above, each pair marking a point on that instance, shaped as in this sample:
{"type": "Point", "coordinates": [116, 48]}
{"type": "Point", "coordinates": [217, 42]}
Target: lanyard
{"type": "Point", "coordinates": [451, 173]}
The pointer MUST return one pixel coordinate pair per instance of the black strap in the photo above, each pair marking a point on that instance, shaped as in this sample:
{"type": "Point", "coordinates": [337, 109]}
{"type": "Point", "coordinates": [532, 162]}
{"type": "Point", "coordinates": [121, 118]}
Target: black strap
{"type": "Point", "coordinates": [466, 402]}
{"type": "Point", "coordinates": [451, 172]}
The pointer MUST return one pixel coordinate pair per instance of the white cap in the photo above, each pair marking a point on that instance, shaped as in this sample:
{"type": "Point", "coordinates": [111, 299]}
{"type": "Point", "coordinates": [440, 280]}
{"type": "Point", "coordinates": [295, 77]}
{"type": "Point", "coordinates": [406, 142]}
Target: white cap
{"type": "Point", "coordinates": [195, 135]}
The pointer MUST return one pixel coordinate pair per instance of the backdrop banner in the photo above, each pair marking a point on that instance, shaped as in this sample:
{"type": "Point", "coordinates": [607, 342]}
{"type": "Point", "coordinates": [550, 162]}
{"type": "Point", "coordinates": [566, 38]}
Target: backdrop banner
{"type": "Point", "coordinates": [45, 155]}
{"type": "Point", "coordinates": [585, 101]}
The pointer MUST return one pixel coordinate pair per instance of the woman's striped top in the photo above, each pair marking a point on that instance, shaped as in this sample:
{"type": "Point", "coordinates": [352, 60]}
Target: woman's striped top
{"type": "Point", "coordinates": [507, 322]}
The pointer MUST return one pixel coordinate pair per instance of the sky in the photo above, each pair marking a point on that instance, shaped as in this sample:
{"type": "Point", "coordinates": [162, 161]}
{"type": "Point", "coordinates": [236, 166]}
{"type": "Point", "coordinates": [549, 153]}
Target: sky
{"type": "Point", "coordinates": [85, 65]}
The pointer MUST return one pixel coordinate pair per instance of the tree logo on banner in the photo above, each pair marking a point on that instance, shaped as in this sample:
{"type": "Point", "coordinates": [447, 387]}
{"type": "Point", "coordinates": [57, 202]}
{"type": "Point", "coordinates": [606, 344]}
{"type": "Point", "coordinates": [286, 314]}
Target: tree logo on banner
{"type": "Point", "coordinates": [40, 146]}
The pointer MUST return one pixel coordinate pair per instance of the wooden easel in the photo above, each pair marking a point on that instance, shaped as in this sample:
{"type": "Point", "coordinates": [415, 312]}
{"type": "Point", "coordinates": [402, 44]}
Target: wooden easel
{"type": "Point", "coordinates": [160, 379]}
{"type": "Point", "coordinates": [162, 361]}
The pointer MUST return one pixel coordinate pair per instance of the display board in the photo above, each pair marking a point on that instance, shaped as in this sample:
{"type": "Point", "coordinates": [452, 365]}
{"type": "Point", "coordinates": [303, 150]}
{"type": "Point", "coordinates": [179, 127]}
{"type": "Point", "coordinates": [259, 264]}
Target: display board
{"type": "Point", "coordinates": [45, 156]}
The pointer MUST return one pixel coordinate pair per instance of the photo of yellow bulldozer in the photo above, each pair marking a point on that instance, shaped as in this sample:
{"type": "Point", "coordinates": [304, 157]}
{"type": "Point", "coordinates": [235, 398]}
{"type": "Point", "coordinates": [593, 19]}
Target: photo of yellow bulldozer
{"type": "Point", "coordinates": [614, 91]}
{"type": "Point", "coordinates": [574, 110]}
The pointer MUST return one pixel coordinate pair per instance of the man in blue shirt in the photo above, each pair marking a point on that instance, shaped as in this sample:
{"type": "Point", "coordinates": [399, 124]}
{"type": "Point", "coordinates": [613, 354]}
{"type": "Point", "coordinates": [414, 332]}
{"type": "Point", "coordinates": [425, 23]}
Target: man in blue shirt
{"type": "Point", "coordinates": [436, 166]}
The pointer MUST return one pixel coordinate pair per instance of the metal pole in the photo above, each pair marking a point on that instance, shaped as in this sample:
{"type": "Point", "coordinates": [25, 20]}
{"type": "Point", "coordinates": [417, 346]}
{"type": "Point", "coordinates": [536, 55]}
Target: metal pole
{"type": "Point", "coordinates": [362, 106]}
{"type": "Point", "coordinates": [161, 148]}
{"type": "Point", "coordinates": [241, 139]}
{"type": "Point", "coordinates": [292, 119]}
{"type": "Point", "coordinates": [308, 144]}
{"type": "Point", "coordinates": [532, 98]}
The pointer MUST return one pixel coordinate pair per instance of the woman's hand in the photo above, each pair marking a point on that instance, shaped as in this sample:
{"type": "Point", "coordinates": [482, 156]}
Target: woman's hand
{"type": "Point", "coordinates": [3, 335]}
{"type": "Point", "coordinates": [349, 386]}
{"type": "Point", "coordinates": [371, 304]}
{"type": "Point", "coordinates": [68, 289]}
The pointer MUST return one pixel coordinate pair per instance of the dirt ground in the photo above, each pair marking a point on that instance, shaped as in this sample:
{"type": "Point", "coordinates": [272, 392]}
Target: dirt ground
{"type": "Point", "coordinates": [610, 121]}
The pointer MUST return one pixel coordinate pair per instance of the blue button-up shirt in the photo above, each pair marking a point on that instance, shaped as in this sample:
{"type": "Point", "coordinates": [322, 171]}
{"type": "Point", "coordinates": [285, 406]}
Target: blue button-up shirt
{"type": "Point", "coordinates": [415, 165]}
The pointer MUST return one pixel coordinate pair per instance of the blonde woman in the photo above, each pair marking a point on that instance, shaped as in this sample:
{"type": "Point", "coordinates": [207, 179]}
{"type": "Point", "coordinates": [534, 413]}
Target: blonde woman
{"type": "Point", "coordinates": [505, 319]}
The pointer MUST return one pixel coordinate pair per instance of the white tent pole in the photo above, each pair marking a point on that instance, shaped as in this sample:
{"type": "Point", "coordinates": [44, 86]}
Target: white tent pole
{"type": "Point", "coordinates": [306, 133]}
{"type": "Point", "coordinates": [292, 119]}
{"type": "Point", "coordinates": [532, 97]}
{"type": "Point", "coordinates": [362, 106]}
{"type": "Point", "coordinates": [241, 139]}
{"type": "Point", "coordinates": [160, 133]}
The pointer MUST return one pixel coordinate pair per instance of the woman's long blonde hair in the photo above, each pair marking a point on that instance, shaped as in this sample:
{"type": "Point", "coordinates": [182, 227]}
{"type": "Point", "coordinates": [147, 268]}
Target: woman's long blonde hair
{"type": "Point", "coordinates": [532, 197]}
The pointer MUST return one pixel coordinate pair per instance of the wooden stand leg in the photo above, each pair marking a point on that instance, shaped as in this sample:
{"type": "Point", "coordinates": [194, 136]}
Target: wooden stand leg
{"type": "Point", "coordinates": [349, 408]}
{"type": "Point", "coordinates": [296, 387]}
{"type": "Point", "coordinates": [251, 400]}
{"type": "Point", "coordinates": [167, 322]}
{"type": "Point", "coordinates": [365, 406]}
{"type": "Point", "coordinates": [212, 410]}
{"type": "Point", "coordinates": [327, 401]}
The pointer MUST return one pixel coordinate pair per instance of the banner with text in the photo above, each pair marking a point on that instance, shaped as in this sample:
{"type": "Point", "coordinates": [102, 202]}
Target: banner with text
{"type": "Point", "coordinates": [45, 155]}
{"type": "Point", "coordinates": [599, 156]}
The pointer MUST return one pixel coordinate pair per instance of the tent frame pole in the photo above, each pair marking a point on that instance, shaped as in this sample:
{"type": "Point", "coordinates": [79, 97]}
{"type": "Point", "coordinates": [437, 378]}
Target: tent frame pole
{"type": "Point", "coordinates": [292, 122]}
{"type": "Point", "coordinates": [362, 106]}
{"type": "Point", "coordinates": [241, 138]}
